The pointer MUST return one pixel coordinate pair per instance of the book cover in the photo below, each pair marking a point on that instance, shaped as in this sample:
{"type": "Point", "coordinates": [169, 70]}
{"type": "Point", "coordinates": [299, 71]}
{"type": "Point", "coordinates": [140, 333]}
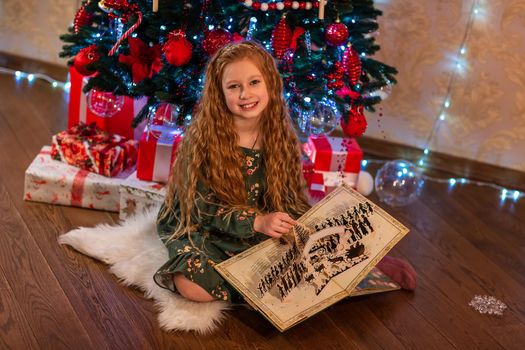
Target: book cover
{"type": "Point", "coordinates": [333, 247]}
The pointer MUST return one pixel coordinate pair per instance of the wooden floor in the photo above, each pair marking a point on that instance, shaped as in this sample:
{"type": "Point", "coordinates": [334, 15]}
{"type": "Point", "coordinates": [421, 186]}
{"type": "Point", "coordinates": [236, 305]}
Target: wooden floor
{"type": "Point", "coordinates": [462, 243]}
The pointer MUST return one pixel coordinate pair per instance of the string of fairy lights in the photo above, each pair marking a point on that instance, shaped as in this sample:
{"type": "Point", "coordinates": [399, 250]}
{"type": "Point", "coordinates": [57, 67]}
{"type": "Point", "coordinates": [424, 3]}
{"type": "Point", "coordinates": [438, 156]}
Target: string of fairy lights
{"type": "Point", "coordinates": [30, 77]}
{"type": "Point", "coordinates": [476, 10]}
{"type": "Point", "coordinates": [505, 193]}
{"type": "Point", "coordinates": [459, 63]}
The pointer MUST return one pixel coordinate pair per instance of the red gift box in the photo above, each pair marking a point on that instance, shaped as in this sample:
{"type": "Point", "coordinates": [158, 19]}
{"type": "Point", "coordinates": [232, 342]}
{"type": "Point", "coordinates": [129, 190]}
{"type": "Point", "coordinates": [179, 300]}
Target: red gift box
{"type": "Point", "coordinates": [334, 154]}
{"type": "Point", "coordinates": [308, 169]}
{"type": "Point", "coordinates": [94, 150]}
{"type": "Point", "coordinates": [119, 123]}
{"type": "Point", "coordinates": [157, 148]}
{"type": "Point", "coordinates": [316, 186]}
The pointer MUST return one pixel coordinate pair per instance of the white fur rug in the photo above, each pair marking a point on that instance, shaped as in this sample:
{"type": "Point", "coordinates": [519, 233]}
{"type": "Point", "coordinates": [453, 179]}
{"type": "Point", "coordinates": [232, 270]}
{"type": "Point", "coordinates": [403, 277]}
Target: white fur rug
{"type": "Point", "coordinates": [134, 252]}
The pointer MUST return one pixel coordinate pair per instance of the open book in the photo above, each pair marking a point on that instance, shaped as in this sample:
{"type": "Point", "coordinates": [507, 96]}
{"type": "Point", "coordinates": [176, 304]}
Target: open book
{"type": "Point", "coordinates": [333, 248]}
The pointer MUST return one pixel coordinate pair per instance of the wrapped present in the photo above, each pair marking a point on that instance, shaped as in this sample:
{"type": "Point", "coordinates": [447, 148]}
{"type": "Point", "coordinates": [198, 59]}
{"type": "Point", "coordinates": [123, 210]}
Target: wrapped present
{"type": "Point", "coordinates": [308, 169]}
{"type": "Point", "coordinates": [51, 181]}
{"type": "Point", "coordinates": [165, 114]}
{"type": "Point", "coordinates": [157, 148]}
{"type": "Point", "coordinates": [91, 149]}
{"type": "Point", "coordinates": [334, 154]}
{"type": "Point", "coordinates": [119, 111]}
{"type": "Point", "coordinates": [336, 178]}
{"type": "Point", "coordinates": [137, 195]}
{"type": "Point", "coordinates": [316, 186]}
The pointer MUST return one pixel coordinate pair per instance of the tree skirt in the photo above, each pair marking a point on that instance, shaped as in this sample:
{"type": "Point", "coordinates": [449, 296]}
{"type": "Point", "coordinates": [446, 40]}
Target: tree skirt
{"type": "Point", "coordinates": [134, 253]}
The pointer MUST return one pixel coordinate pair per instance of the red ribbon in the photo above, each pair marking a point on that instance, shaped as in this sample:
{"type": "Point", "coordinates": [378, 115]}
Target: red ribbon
{"type": "Point", "coordinates": [322, 153]}
{"type": "Point", "coordinates": [77, 189]}
{"type": "Point", "coordinates": [345, 91]}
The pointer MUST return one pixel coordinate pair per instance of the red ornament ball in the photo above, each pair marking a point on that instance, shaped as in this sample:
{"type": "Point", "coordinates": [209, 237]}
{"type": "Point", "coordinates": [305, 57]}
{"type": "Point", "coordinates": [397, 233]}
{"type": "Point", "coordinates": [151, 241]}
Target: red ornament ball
{"type": "Point", "coordinates": [336, 34]}
{"type": "Point", "coordinates": [281, 38]}
{"type": "Point", "coordinates": [82, 18]}
{"type": "Point", "coordinates": [357, 124]}
{"type": "Point", "coordinates": [178, 50]}
{"type": "Point", "coordinates": [113, 5]}
{"type": "Point", "coordinates": [104, 104]}
{"type": "Point", "coordinates": [85, 57]}
{"type": "Point", "coordinates": [215, 39]}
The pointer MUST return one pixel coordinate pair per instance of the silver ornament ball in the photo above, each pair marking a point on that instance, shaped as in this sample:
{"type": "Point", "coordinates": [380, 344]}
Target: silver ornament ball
{"type": "Point", "coordinates": [398, 183]}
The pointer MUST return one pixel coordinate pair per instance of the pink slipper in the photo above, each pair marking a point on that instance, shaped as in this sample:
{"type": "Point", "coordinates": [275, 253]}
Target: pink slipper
{"type": "Point", "coordinates": [399, 271]}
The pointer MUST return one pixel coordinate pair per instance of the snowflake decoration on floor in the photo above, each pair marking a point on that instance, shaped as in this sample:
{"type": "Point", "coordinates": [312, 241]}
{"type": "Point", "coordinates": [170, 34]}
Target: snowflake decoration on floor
{"type": "Point", "coordinates": [485, 304]}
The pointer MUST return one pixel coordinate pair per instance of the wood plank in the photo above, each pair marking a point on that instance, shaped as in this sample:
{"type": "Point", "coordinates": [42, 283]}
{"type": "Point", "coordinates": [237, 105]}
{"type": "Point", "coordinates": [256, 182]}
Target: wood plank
{"type": "Point", "coordinates": [34, 285]}
{"type": "Point", "coordinates": [354, 316]}
{"type": "Point", "coordinates": [308, 334]}
{"type": "Point", "coordinates": [409, 326]}
{"type": "Point", "coordinates": [117, 305]}
{"type": "Point", "coordinates": [250, 330]}
{"type": "Point", "coordinates": [457, 270]}
{"type": "Point", "coordinates": [496, 230]}
{"type": "Point", "coordinates": [15, 331]}
{"type": "Point", "coordinates": [462, 243]}
{"type": "Point", "coordinates": [63, 219]}
{"type": "Point", "coordinates": [85, 287]}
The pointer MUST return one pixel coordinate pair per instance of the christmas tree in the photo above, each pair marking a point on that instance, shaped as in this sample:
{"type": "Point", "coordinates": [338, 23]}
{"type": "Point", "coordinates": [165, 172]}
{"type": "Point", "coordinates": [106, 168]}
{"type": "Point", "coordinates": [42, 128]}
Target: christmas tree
{"type": "Point", "coordinates": [159, 49]}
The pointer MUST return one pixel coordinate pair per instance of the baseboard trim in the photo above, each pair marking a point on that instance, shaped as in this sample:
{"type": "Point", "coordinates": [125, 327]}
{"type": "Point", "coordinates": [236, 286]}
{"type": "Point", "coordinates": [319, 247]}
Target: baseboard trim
{"type": "Point", "coordinates": [31, 65]}
{"type": "Point", "coordinates": [444, 165]}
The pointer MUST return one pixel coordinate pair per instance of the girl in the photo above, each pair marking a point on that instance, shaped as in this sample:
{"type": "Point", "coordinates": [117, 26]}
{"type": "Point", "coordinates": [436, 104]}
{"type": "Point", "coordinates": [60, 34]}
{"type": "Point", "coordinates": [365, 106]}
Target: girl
{"type": "Point", "coordinates": [237, 178]}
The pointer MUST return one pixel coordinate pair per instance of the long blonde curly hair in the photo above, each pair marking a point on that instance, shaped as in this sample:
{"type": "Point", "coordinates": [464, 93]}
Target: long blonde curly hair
{"type": "Point", "coordinates": [209, 153]}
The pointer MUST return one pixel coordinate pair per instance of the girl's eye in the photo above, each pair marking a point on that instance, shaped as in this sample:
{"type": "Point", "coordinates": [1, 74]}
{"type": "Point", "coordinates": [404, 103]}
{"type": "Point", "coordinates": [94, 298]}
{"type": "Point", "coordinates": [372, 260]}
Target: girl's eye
{"type": "Point", "coordinates": [233, 86]}
{"type": "Point", "coordinates": [255, 82]}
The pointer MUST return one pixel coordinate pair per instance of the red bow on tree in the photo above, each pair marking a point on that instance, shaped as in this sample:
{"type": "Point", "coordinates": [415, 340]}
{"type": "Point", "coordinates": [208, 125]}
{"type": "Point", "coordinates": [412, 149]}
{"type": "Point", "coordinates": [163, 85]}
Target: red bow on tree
{"type": "Point", "coordinates": [144, 60]}
{"type": "Point", "coordinates": [346, 92]}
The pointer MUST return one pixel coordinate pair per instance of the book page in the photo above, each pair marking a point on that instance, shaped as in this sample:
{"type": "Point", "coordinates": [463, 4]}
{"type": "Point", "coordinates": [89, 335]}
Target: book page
{"type": "Point", "coordinates": [252, 276]}
{"type": "Point", "coordinates": [334, 246]}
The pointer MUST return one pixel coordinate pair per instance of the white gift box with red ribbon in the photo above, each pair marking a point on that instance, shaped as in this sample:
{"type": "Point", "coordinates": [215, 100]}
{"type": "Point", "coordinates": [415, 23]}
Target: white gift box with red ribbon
{"type": "Point", "coordinates": [157, 148]}
{"type": "Point", "coordinates": [334, 154]}
{"type": "Point", "coordinates": [137, 196]}
{"type": "Point", "coordinates": [55, 182]}
{"type": "Point", "coordinates": [321, 183]}
{"type": "Point", "coordinates": [119, 123]}
{"type": "Point", "coordinates": [336, 178]}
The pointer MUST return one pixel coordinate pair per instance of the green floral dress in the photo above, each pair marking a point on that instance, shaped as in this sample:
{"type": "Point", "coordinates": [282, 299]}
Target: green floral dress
{"type": "Point", "coordinates": [220, 233]}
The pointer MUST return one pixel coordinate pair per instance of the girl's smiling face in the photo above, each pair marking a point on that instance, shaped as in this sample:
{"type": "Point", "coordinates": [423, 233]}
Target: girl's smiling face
{"type": "Point", "coordinates": [244, 89]}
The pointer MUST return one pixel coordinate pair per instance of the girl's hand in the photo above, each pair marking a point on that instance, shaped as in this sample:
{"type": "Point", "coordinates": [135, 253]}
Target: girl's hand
{"type": "Point", "coordinates": [274, 224]}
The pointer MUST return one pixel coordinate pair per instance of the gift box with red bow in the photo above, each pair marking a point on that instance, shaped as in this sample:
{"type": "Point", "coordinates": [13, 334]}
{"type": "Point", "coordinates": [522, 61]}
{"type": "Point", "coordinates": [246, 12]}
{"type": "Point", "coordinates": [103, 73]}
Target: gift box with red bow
{"type": "Point", "coordinates": [94, 150]}
{"type": "Point", "coordinates": [111, 113]}
{"type": "Point", "coordinates": [51, 181]}
{"type": "Point", "coordinates": [157, 148]}
{"type": "Point", "coordinates": [334, 154]}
